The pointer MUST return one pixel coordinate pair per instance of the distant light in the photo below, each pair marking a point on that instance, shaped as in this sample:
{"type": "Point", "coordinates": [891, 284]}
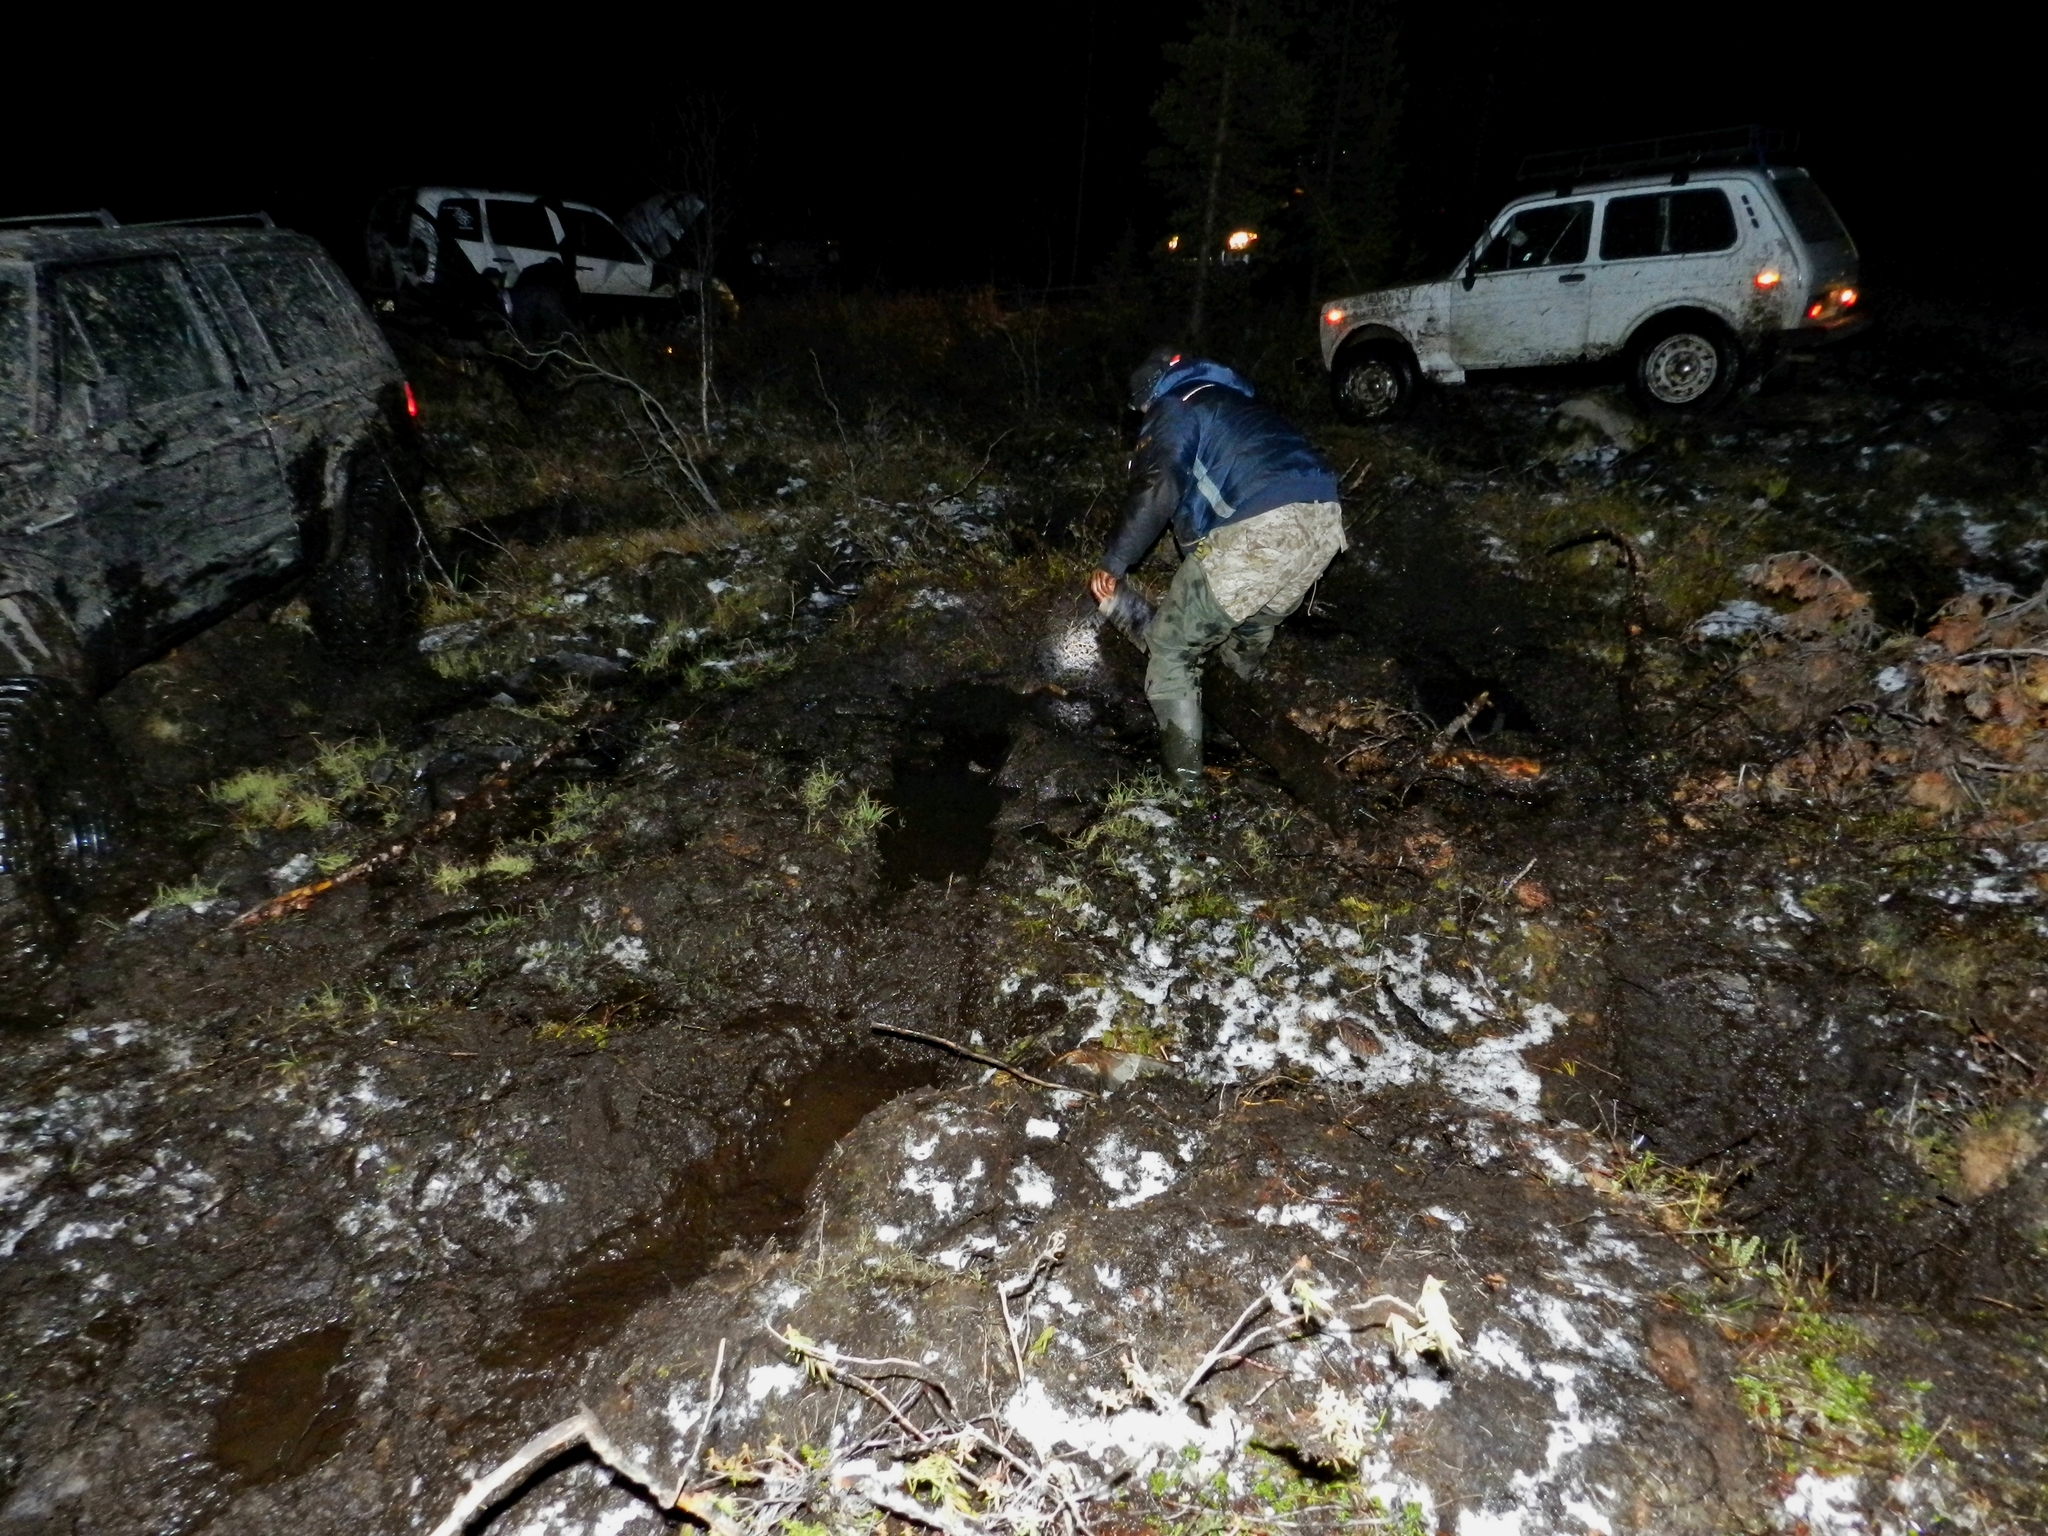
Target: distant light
{"type": "Point", "coordinates": [671, 351]}
{"type": "Point", "coordinates": [1813, 310]}
{"type": "Point", "coordinates": [1770, 277]}
{"type": "Point", "coordinates": [1333, 317]}
{"type": "Point", "coordinates": [1241, 239]}
{"type": "Point", "coordinates": [1173, 242]}
{"type": "Point", "coordinates": [1846, 298]}
{"type": "Point", "coordinates": [412, 406]}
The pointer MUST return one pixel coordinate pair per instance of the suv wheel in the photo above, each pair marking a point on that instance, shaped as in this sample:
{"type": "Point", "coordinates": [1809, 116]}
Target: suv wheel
{"type": "Point", "coordinates": [1373, 383]}
{"type": "Point", "coordinates": [61, 799]}
{"type": "Point", "coordinates": [1689, 364]}
{"type": "Point", "coordinates": [361, 598]}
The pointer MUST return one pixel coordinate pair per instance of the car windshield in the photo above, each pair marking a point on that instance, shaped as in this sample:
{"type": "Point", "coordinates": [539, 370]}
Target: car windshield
{"type": "Point", "coordinates": [13, 356]}
{"type": "Point", "coordinates": [1812, 214]}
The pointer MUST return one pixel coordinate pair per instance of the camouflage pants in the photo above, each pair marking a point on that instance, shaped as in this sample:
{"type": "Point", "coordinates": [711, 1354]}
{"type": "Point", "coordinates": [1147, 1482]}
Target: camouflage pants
{"type": "Point", "coordinates": [1233, 592]}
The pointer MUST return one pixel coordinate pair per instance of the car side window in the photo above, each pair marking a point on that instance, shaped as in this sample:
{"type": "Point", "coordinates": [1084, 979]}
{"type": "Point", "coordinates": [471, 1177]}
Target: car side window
{"type": "Point", "coordinates": [297, 310]}
{"type": "Point", "coordinates": [1549, 235]}
{"type": "Point", "coordinates": [595, 235]}
{"type": "Point", "coordinates": [522, 224]}
{"type": "Point", "coordinates": [127, 332]}
{"type": "Point", "coordinates": [1667, 224]}
{"type": "Point", "coordinates": [458, 219]}
{"type": "Point", "coordinates": [14, 360]}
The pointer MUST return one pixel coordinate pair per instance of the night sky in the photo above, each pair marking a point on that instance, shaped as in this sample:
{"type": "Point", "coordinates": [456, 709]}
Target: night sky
{"type": "Point", "coordinates": [949, 151]}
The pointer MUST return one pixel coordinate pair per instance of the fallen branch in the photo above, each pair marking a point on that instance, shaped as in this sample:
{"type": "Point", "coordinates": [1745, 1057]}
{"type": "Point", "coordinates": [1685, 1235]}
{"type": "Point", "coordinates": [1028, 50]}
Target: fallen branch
{"type": "Point", "coordinates": [1471, 712]}
{"type": "Point", "coordinates": [580, 1428]}
{"type": "Point", "coordinates": [983, 1057]}
{"type": "Point", "coordinates": [1021, 1286]}
{"type": "Point", "coordinates": [490, 793]}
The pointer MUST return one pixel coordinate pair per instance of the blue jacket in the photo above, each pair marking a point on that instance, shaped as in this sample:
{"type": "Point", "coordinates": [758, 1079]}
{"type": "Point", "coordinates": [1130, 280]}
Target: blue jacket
{"type": "Point", "coordinates": [1210, 455]}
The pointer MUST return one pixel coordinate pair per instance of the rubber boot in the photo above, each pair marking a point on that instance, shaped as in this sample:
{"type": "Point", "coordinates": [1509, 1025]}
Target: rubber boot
{"type": "Point", "coordinates": [1180, 742]}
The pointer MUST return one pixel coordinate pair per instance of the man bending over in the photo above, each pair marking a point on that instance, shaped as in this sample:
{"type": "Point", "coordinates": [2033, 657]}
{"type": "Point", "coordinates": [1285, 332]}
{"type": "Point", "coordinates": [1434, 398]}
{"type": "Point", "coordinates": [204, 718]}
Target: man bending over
{"type": "Point", "coordinates": [1255, 520]}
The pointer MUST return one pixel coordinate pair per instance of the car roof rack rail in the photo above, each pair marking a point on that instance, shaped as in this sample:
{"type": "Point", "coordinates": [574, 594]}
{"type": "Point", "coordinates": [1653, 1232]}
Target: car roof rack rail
{"type": "Point", "coordinates": [98, 218]}
{"type": "Point", "coordinates": [1750, 144]}
{"type": "Point", "coordinates": [257, 220]}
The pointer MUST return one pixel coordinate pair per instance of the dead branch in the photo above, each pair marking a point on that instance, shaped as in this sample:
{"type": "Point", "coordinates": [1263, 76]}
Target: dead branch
{"type": "Point", "coordinates": [580, 1428]}
{"type": "Point", "coordinates": [983, 1057]}
{"type": "Point", "coordinates": [492, 792]}
{"type": "Point", "coordinates": [1471, 712]}
{"type": "Point", "coordinates": [703, 1429]}
{"type": "Point", "coordinates": [674, 442]}
{"type": "Point", "coordinates": [1021, 1286]}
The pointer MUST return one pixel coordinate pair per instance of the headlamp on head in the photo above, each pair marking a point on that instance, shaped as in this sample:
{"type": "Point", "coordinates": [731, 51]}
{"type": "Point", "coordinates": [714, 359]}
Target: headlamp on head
{"type": "Point", "coordinates": [1145, 379]}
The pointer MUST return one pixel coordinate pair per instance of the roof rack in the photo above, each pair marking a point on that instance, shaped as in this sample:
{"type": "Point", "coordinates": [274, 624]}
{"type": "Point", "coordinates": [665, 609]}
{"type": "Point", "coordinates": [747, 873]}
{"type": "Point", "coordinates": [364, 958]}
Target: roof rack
{"type": "Point", "coordinates": [257, 220]}
{"type": "Point", "coordinates": [99, 218]}
{"type": "Point", "coordinates": [1678, 152]}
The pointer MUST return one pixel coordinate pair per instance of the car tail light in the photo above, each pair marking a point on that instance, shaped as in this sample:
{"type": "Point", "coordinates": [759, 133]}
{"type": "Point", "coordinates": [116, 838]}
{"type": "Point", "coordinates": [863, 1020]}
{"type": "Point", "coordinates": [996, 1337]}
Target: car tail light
{"type": "Point", "coordinates": [1815, 310]}
{"type": "Point", "coordinates": [1333, 317]}
{"type": "Point", "coordinates": [1846, 298]}
{"type": "Point", "coordinates": [1769, 278]}
{"type": "Point", "coordinates": [412, 406]}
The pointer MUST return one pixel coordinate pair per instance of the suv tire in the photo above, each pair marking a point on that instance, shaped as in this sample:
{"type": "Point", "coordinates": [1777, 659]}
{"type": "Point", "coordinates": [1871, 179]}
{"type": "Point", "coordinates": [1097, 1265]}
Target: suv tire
{"type": "Point", "coordinates": [361, 598]}
{"type": "Point", "coordinates": [1683, 365]}
{"type": "Point", "coordinates": [61, 805]}
{"type": "Point", "coordinates": [1374, 382]}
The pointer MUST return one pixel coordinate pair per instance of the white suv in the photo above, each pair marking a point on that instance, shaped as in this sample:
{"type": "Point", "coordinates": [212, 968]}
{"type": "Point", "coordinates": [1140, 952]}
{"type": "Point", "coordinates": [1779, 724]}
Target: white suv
{"type": "Point", "coordinates": [1688, 273]}
{"type": "Point", "coordinates": [460, 241]}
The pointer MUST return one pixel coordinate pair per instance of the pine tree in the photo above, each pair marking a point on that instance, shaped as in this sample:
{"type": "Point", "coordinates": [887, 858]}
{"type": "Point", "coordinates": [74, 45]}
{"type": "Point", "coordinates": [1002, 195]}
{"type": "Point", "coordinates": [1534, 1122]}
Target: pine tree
{"type": "Point", "coordinates": [1233, 115]}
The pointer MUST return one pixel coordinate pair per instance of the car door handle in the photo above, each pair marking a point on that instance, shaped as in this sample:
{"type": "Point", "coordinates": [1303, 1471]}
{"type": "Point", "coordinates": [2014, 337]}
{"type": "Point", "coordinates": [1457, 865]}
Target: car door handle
{"type": "Point", "coordinates": [1573, 277]}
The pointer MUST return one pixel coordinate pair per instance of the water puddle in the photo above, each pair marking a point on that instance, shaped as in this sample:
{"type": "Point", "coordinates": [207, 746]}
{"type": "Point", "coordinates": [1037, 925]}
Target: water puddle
{"type": "Point", "coordinates": [289, 1408]}
{"type": "Point", "coordinates": [943, 796]}
{"type": "Point", "coordinates": [751, 1189]}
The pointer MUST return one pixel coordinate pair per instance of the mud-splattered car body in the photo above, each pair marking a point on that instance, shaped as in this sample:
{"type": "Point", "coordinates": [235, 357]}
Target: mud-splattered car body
{"type": "Point", "coordinates": [181, 406]}
{"type": "Point", "coordinates": [1582, 272]}
{"type": "Point", "coordinates": [191, 416]}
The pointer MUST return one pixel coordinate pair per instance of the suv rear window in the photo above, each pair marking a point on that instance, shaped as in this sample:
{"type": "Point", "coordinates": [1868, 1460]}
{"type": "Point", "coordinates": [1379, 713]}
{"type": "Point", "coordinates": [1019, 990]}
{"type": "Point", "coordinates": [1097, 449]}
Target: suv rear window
{"type": "Point", "coordinates": [13, 356]}
{"type": "Point", "coordinates": [127, 323]}
{"type": "Point", "coordinates": [1549, 235]}
{"type": "Point", "coordinates": [295, 307]}
{"type": "Point", "coordinates": [522, 224]}
{"type": "Point", "coordinates": [1812, 214]}
{"type": "Point", "coordinates": [1667, 224]}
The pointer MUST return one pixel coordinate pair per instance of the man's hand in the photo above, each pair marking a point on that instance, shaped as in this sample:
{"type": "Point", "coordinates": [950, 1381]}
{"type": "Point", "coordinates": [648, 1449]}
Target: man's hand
{"type": "Point", "coordinates": [1101, 586]}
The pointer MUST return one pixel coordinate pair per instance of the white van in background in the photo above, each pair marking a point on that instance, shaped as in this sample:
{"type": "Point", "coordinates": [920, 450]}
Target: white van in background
{"type": "Point", "coordinates": [1689, 257]}
{"type": "Point", "coordinates": [450, 240]}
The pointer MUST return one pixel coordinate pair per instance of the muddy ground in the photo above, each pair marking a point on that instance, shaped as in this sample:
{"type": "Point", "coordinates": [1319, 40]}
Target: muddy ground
{"type": "Point", "coordinates": [1682, 1012]}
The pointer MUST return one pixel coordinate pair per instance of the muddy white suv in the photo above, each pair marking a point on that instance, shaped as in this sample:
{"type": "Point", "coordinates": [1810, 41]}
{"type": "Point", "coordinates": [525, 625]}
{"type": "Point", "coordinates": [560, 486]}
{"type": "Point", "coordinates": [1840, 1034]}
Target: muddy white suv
{"type": "Point", "coordinates": [469, 246]}
{"type": "Point", "coordinates": [191, 416]}
{"type": "Point", "coordinates": [1689, 258]}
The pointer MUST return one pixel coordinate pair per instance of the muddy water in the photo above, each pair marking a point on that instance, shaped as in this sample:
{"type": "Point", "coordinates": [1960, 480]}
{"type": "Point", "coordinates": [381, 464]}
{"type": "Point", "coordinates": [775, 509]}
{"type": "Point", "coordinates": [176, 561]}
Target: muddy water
{"type": "Point", "coordinates": [290, 1408]}
{"type": "Point", "coordinates": [942, 791]}
{"type": "Point", "coordinates": [748, 1191]}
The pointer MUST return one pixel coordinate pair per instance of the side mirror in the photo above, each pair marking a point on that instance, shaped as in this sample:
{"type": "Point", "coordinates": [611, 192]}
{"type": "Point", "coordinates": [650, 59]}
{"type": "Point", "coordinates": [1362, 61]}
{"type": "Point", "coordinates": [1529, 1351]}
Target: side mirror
{"type": "Point", "coordinates": [1471, 276]}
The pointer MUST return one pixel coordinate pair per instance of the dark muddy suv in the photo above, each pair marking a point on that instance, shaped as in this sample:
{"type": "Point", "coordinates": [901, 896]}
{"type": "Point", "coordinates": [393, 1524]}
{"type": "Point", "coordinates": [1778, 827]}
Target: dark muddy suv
{"type": "Point", "coordinates": [191, 416]}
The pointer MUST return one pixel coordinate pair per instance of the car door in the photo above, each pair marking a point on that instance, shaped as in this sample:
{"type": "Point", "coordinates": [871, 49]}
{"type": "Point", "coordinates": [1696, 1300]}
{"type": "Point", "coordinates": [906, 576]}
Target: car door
{"type": "Point", "coordinates": [179, 496]}
{"type": "Point", "coordinates": [1521, 301]}
{"type": "Point", "coordinates": [522, 235]}
{"type": "Point", "coordinates": [1660, 249]}
{"type": "Point", "coordinates": [606, 261]}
